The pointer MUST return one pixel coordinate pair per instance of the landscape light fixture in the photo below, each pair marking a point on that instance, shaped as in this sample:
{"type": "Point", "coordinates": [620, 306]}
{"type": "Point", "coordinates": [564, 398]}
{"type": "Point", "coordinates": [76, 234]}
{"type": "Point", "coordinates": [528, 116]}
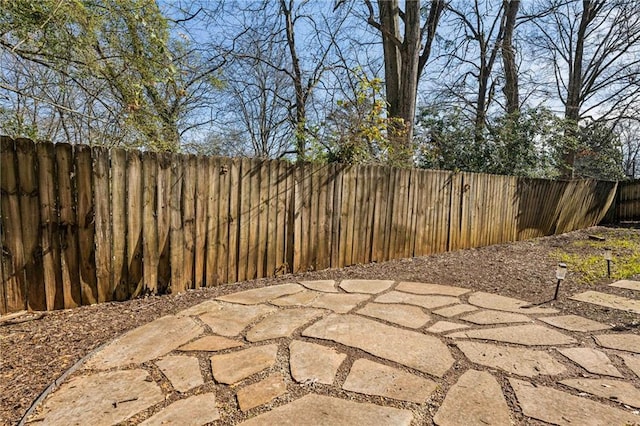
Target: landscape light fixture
{"type": "Point", "coordinates": [608, 256]}
{"type": "Point", "coordinates": [561, 273]}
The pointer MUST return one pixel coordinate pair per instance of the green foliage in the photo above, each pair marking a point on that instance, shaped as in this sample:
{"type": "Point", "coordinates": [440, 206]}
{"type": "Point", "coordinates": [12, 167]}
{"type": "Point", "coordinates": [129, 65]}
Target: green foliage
{"type": "Point", "coordinates": [598, 153]}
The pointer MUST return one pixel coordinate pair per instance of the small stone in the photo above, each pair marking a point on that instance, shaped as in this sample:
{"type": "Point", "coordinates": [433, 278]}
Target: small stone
{"type": "Point", "coordinates": [476, 399]}
{"type": "Point", "coordinates": [182, 371]}
{"type": "Point", "coordinates": [229, 319]}
{"type": "Point", "coordinates": [312, 410]}
{"type": "Point", "coordinates": [210, 344]}
{"type": "Point", "coordinates": [615, 390]}
{"type": "Point", "coordinates": [444, 326]}
{"type": "Point", "coordinates": [423, 288]}
{"type": "Point", "coordinates": [261, 295]}
{"type": "Point", "coordinates": [628, 284]}
{"type": "Point", "coordinates": [262, 392]}
{"type": "Point", "coordinates": [282, 324]}
{"type": "Point", "coordinates": [633, 362]}
{"type": "Point", "coordinates": [339, 303]}
{"type": "Point", "coordinates": [520, 361]}
{"type": "Point", "coordinates": [495, 317]}
{"type": "Point", "coordinates": [304, 298]}
{"type": "Point", "coordinates": [404, 315]}
{"type": "Point", "coordinates": [455, 310]}
{"type": "Point", "coordinates": [609, 300]}
{"type": "Point", "coordinates": [428, 302]}
{"type": "Point", "coordinates": [622, 342]}
{"type": "Point", "coordinates": [371, 378]}
{"type": "Point", "coordinates": [502, 303]}
{"type": "Point", "coordinates": [592, 360]}
{"type": "Point", "coordinates": [574, 323]}
{"type": "Point", "coordinates": [310, 362]}
{"type": "Point", "coordinates": [235, 366]}
{"type": "Point", "coordinates": [327, 286]}
{"type": "Point", "coordinates": [557, 407]}
{"type": "Point", "coordinates": [194, 411]}
{"type": "Point", "coordinates": [365, 286]}
{"type": "Point", "coordinates": [530, 335]}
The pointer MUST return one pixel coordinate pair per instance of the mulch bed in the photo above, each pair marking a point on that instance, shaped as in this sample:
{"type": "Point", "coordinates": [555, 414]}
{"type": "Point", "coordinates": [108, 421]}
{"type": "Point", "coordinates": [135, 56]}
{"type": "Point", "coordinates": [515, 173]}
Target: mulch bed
{"type": "Point", "coordinates": [35, 352]}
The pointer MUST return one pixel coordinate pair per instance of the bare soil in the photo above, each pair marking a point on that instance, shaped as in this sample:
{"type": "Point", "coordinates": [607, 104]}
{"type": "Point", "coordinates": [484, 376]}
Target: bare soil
{"type": "Point", "coordinates": [36, 352]}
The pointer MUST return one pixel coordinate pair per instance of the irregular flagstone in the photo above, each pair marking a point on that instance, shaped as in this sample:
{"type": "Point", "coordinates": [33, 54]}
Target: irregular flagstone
{"type": "Point", "coordinates": [423, 288]}
{"type": "Point", "coordinates": [182, 371]}
{"type": "Point", "coordinates": [633, 362]}
{"type": "Point", "coordinates": [145, 343]}
{"type": "Point", "coordinates": [609, 300]}
{"type": "Point", "coordinates": [476, 399]}
{"type": "Point", "coordinates": [210, 344]}
{"type": "Point", "coordinates": [193, 411]}
{"type": "Point", "coordinates": [310, 362]}
{"type": "Point", "coordinates": [502, 303]}
{"type": "Point", "coordinates": [428, 302]}
{"type": "Point", "coordinates": [282, 324]}
{"type": "Point", "coordinates": [574, 323]}
{"type": "Point", "coordinates": [303, 298]}
{"type": "Point", "coordinates": [495, 317]}
{"type": "Point", "coordinates": [104, 398]}
{"type": "Point", "coordinates": [261, 295]}
{"type": "Point", "coordinates": [557, 407]}
{"type": "Point", "coordinates": [455, 310]}
{"type": "Point", "coordinates": [592, 360]}
{"type": "Point", "coordinates": [615, 390]}
{"type": "Point", "coordinates": [340, 303]}
{"type": "Point", "coordinates": [529, 335]}
{"type": "Point", "coordinates": [327, 286]}
{"type": "Point", "coordinates": [233, 367]}
{"type": "Point", "coordinates": [313, 410]}
{"type": "Point", "coordinates": [229, 319]}
{"type": "Point", "coordinates": [424, 353]}
{"type": "Point", "coordinates": [199, 309]}
{"type": "Point", "coordinates": [444, 326]}
{"type": "Point", "coordinates": [623, 342]}
{"type": "Point", "coordinates": [365, 286]}
{"type": "Point", "coordinates": [628, 284]}
{"type": "Point", "coordinates": [372, 378]}
{"type": "Point", "coordinates": [262, 392]}
{"type": "Point", "coordinates": [404, 315]}
{"type": "Point", "coordinates": [520, 361]}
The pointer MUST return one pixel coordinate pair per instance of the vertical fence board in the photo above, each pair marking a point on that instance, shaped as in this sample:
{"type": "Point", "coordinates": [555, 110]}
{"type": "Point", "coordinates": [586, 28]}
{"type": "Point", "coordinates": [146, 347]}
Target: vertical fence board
{"type": "Point", "coordinates": [272, 261]}
{"type": "Point", "coordinates": [217, 268]}
{"type": "Point", "coordinates": [119, 275]}
{"type": "Point", "coordinates": [136, 191]}
{"type": "Point", "coordinates": [176, 226]}
{"type": "Point", "coordinates": [282, 219]}
{"type": "Point", "coordinates": [314, 211]}
{"type": "Point", "coordinates": [102, 223]}
{"type": "Point", "coordinates": [234, 220]}
{"type": "Point", "coordinates": [190, 176]}
{"type": "Point", "coordinates": [201, 222]}
{"type": "Point", "coordinates": [263, 236]}
{"type": "Point", "coordinates": [163, 219]}
{"type": "Point", "coordinates": [151, 256]}
{"type": "Point", "coordinates": [350, 217]}
{"type": "Point", "coordinates": [244, 217]}
{"type": "Point", "coordinates": [253, 236]}
{"type": "Point", "coordinates": [86, 224]}
{"type": "Point", "coordinates": [336, 220]}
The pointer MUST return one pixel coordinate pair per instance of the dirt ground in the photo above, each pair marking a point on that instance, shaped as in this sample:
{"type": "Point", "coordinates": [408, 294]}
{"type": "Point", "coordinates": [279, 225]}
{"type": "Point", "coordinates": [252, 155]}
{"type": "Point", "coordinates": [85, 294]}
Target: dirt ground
{"type": "Point", "coordinates": [35, 353]}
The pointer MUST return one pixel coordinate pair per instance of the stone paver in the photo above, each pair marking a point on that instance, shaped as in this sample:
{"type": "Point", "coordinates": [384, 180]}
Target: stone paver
{"type": "Point", "coordinates": [476, 399]}
{"type": "Point", "coordinates": [104, 398]}
{"type": "Point", "coordinates": [633, 362]}
{"type": "Point", "coordinates": [303, 298]}
{"type": "Point", "coordinates": [314, 363]}
{"type": "Point", "coordinates": [404, 315]}
{"type": "Point", "coordinates": [182, 371]}
{"type": "Point", "coordinates": [261, 295]}
{"type": "Point", "coordinates": [424, 353]}
{"type": "Point", "coordinates": [592, 360]}
{"type": "Point", "coordinates": [210, 344]}
{"type": "Point", "coordinates": [282, 324]}
{"type": "Point", "coordinates": [428, 302]}
{"type": "Point", "coordinates": [327, 286]}
{"type": "Point", "coordinates": [574, 323]}
{"type": "Point", "coordinates": [503, 303]}
{"type": "Point", "coordinates": [147, 342]}
{"type": "Point", "coordinates": [615, 390]}
{"type": "Point", "coordinates": [622, 342]}
{"type": "Point", "coordinates": [262, 392]}
{"type": "Point", "coordinates": [455, 310]}
{"type": "Point", "coordinates": [314, 410]}
{"type": "Point", "coordinates": [423, 288]}
{"type": "Point", "coordinates": [372, 378]}
{"type": "Point", "coordinates": [445, 326]}
{"type": "Point", "coordinates": [229, 319]}
{"type": "Point", "coordinates": [495, 317]}
{"type": "Point", "coordinates": [557, 407]}
{"type": "Point", "coordinates": [609, 300]}
{"type": "Point", "coordinates": [529, 335]}
{"type": "Point", "coordinates": [365, 286]}
{"type": "Point", "coordinates": [520, 361]}
{"type": "Point", "coordinates": [194, 411]}
{"type": "Point", "coordinates": [233, 367]}
{"type": "Point", "coordinates": [628, 284]}
{"type": "Point", "coordinates": [339, 303]}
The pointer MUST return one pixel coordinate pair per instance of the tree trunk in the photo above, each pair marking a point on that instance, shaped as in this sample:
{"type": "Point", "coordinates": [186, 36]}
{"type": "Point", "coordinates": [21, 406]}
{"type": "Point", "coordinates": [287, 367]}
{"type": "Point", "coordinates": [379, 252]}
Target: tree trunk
{"type": "Point", "coordinates": [511, 86]}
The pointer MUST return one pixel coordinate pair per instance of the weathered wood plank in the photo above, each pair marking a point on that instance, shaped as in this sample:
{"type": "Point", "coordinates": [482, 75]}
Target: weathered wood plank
{"type": "Point", "coordinates": [119, 275]}
{"type": "Point", "coordinates": [103, 235]}
{"type": "Point", "coordinates": [323, 224]}
{"type": "Point", "coordinates": [272, 221]}
{"type": "Point", "coordinates": [337, 221]}
{"type": "Point", "coordinates": [298, 230]}
{"type": "Point", "coordinates": [191, 176]}
{"type": "Point", "coordinates": [253, 237]}
{"type": "Point", "coordinates": [163, 212]}
{"type": "Point", "coordinates": [218, 217]}
{"type": "Point", "coordinates": [86, 224]}
{"type": "Point", "coordinates": [263, 236]}
{"type": "Point", "coordinates": [244, 217]}
{"type": "Point", "coordinates": [135, 208]}
{"type": "Point", "coordinates": [234, 220]}
{"type": "Point", "coordinates": [151, 255]}
{"type": "Point", "coordinates": [177, 282]}
{"type": "Point", "coordinates": [201, 223]}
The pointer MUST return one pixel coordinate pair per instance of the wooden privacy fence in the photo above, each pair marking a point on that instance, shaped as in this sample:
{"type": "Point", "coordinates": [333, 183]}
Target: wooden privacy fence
{"type": "Point", "coordinates": [627, 206]}
{"type": "Point", "coordinates": [82, 225]}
